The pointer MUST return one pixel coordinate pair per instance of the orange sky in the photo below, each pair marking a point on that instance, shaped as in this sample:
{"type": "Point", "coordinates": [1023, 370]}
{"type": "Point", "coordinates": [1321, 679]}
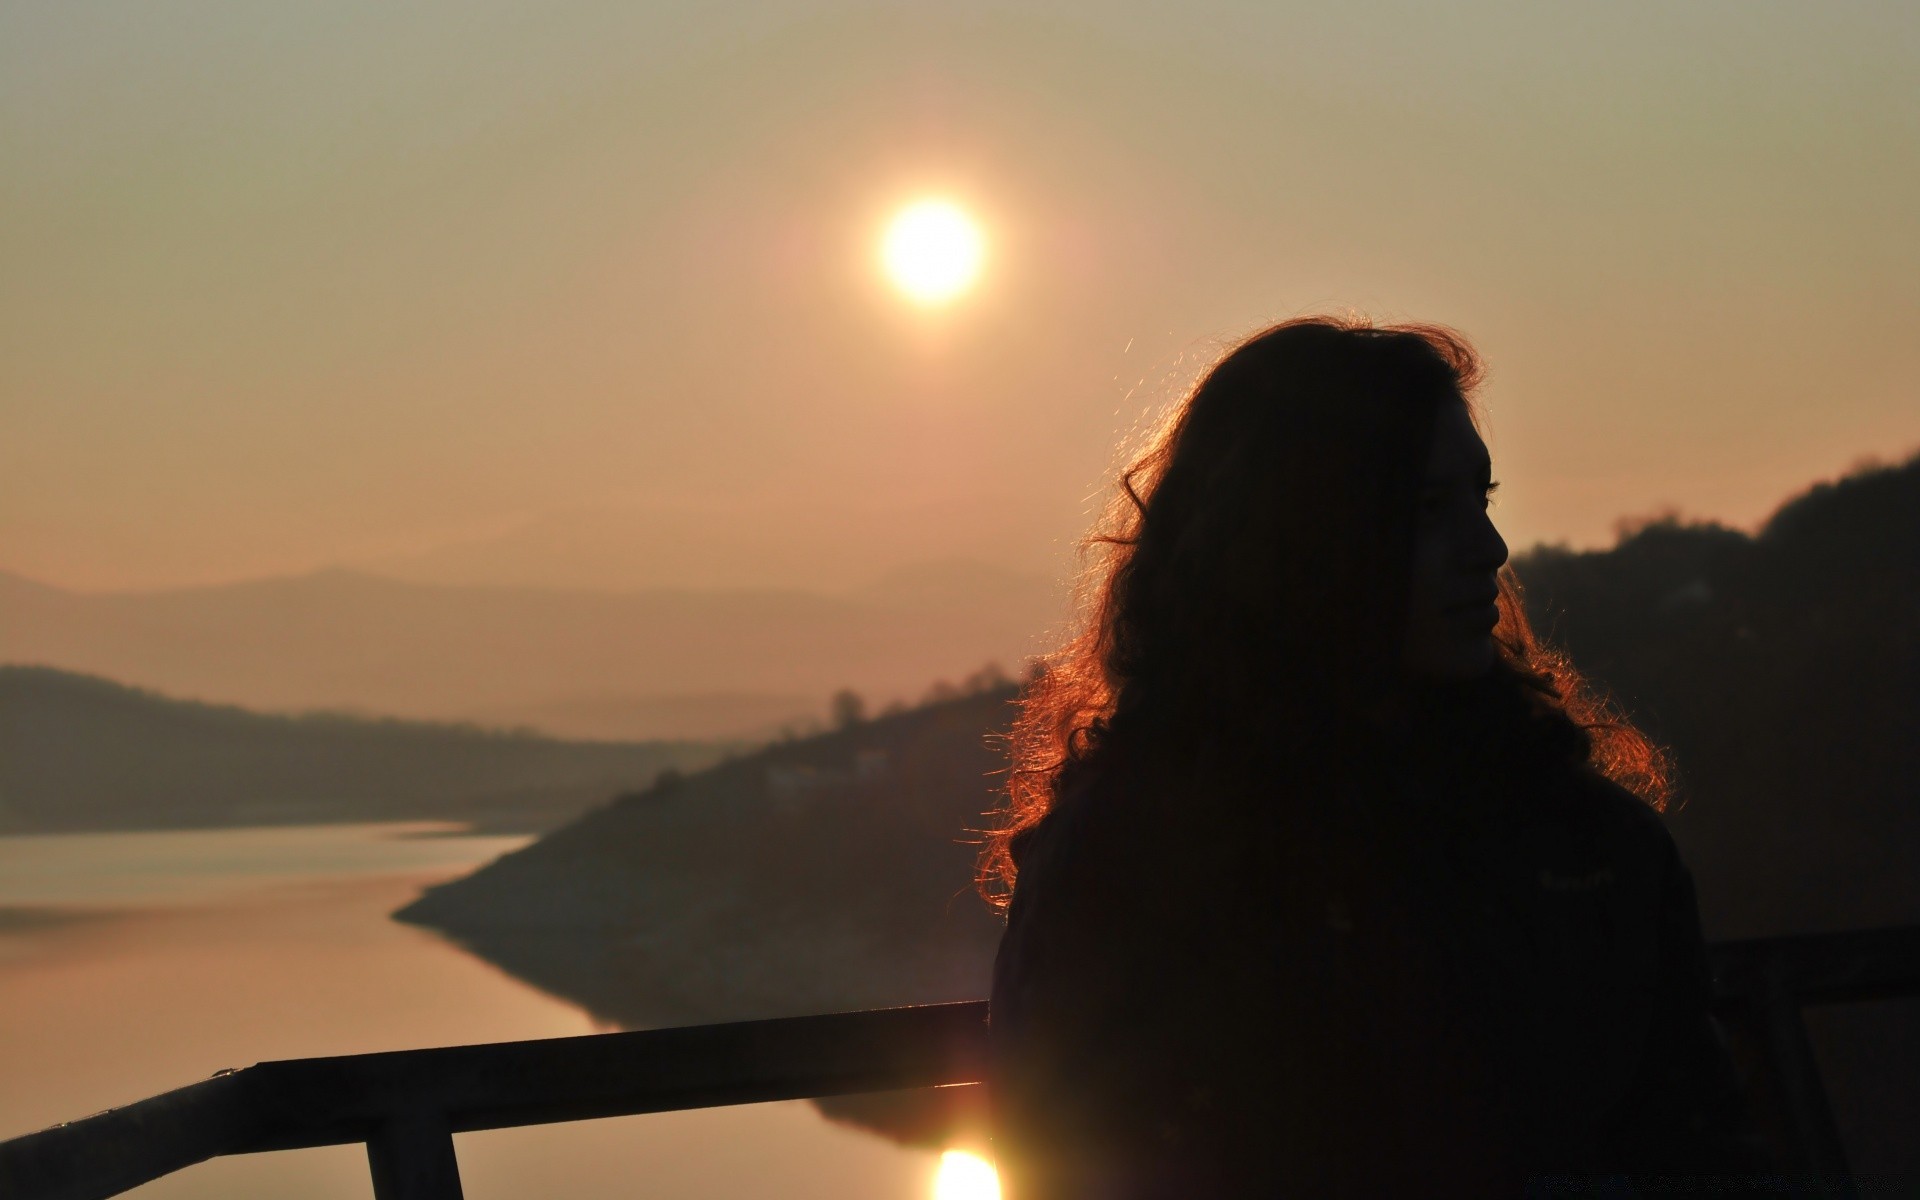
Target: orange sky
{"type": "Point", "coordinates": [584, 294]}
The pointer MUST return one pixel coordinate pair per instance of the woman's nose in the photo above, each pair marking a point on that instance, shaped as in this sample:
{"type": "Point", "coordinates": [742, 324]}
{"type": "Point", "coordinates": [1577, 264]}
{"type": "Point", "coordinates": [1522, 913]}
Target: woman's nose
{"type": "Point", "coordinates": [1486, 550]}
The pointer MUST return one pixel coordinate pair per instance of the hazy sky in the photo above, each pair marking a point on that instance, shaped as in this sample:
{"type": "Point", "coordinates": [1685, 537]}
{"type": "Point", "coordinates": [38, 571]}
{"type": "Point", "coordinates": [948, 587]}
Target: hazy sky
{"type": "Point", "coordinates": [586, 293]}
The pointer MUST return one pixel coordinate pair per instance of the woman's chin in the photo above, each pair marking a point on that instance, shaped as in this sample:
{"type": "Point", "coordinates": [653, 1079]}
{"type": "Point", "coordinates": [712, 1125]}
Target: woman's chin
{"type": "Point", "coordinates": [1458, 661]}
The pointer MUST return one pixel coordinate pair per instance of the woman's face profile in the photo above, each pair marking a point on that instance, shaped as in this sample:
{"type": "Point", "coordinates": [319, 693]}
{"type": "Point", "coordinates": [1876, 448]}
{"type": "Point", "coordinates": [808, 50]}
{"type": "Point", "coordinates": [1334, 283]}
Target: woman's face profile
{"type": "Point", "coordinates": [1457, 556]}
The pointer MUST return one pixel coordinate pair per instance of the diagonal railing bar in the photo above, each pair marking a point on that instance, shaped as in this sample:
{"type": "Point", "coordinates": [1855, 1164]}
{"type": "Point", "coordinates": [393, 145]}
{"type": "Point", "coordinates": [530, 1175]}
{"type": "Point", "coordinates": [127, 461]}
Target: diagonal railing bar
{"type": "Point", "coordinates": [113, 1151]}
{"type": "Point", "coordinates": [406, 1105]}
{"type": "Point", "coordinates": [299, 1103]}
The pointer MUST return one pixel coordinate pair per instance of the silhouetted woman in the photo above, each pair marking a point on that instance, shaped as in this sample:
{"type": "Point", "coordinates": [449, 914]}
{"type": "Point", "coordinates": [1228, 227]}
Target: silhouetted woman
{"type": "Point", "coordinates": [1326, 878]}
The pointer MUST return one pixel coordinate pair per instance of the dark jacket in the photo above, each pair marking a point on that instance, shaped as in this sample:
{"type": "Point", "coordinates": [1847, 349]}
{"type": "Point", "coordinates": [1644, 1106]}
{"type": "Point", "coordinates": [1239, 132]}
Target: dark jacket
{"type": "Point", "coordinates": [1436, 990]}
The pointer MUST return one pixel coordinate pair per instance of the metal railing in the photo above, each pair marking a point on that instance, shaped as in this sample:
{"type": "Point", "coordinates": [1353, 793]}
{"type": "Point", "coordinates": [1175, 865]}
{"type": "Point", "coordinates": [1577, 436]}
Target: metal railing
{"type": "Point", "coordinates": [405, 1106]}
{"type": "Point", "coordinates": [1760, 988]}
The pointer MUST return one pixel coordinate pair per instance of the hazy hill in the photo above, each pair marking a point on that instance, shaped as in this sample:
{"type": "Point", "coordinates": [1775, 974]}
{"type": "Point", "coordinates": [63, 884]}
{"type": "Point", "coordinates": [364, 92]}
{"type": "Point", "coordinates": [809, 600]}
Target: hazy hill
{"type": "Point", "coordinates": [661, 663]}
{"type": "Point", "coordinates": [830, 873]}
{"type": "Point", "coordinates": [83, 753]}
{"type": "Point", "coordinates": [722, 544]}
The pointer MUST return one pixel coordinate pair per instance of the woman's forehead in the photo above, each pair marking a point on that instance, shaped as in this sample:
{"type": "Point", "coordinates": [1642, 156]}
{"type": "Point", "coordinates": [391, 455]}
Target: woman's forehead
{"type": "Point", "coordinates": [1456, 449]}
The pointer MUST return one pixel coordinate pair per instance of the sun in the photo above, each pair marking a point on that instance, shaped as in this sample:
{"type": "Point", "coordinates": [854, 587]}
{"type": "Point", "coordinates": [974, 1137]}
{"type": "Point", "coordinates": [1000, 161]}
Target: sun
{"type": "Point", "coordinates": [932, 251]}
{"type": "Point", "coordinates": [964, 1176]}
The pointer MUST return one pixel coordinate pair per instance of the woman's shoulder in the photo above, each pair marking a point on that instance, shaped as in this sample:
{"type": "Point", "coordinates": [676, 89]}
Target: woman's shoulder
{"type": "Point", "coordinates": [1087, 841]}
{"type": "Point", "coordinates": [1594, 797]}
{"type": "Point", "coordinates": [1079, 920]}
{"type": "Point", "coordinates": [1624, 828]}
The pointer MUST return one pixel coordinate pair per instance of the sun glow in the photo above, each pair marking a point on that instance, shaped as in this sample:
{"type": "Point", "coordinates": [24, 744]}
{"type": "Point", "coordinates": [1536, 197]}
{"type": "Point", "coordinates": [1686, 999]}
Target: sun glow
{"type": "Point", "coordinates": [932, 251]}
{"type": "Point", "coordinates": [964, 1176]}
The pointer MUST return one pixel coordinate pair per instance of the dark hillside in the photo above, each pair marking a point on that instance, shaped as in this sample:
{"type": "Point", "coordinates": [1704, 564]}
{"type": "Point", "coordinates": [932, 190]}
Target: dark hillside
{"type": "Point", "coordinates": [78, 752]}
{"type": "Point", "coordinates": [824, 874]}
{"type": "Point", "coordinates": [1784, 671]}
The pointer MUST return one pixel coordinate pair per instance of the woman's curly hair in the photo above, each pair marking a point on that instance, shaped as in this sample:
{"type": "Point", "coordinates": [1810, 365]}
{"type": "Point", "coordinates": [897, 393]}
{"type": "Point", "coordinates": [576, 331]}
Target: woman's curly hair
{"type": "Point", "coordinates": [1251, 574]}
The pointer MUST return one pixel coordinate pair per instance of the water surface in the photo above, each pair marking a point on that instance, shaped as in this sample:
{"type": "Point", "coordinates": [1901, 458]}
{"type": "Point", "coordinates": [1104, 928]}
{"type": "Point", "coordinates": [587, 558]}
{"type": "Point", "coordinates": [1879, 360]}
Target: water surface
{"type": "Point", "coordinates": [137, 962]}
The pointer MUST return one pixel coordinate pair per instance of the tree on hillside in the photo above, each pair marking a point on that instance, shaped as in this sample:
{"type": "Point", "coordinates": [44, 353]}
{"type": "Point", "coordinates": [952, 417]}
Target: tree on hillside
{"type": "Point", "coordinates": [847, 709]}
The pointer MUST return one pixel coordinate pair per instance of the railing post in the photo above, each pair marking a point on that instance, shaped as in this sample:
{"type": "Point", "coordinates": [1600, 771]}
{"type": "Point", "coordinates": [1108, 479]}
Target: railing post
{"type": "Point", "coordinates": [411, 1157]}
{"type": "Point", "coordinates": [1784, 1028]}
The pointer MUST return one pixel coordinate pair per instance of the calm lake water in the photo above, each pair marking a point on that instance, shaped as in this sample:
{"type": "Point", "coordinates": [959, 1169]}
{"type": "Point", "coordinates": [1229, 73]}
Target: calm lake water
{"type": "Point", "coordinates": [135, 963]}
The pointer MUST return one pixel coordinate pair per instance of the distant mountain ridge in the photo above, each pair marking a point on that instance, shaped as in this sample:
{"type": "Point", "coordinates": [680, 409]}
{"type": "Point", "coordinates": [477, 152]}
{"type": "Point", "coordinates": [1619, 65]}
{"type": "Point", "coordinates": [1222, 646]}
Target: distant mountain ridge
{"type": "Point", "coordinates": [82, 753]}
{"type": "Point", "coordinates": [661, 663]}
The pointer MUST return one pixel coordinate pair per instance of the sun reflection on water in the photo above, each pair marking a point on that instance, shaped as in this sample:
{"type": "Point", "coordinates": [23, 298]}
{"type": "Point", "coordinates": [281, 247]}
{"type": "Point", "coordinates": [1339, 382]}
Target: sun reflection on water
{"type": "Point", "coordinates": [964, 1176]}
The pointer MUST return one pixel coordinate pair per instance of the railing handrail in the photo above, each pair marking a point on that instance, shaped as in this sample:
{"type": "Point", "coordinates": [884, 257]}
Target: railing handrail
{"type": "Point", "coordinates": [1843, 967]}
{"type": "Point", "coordinates": [407, 1104]}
